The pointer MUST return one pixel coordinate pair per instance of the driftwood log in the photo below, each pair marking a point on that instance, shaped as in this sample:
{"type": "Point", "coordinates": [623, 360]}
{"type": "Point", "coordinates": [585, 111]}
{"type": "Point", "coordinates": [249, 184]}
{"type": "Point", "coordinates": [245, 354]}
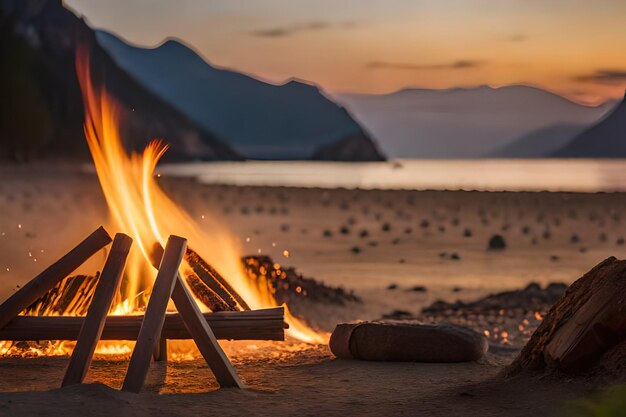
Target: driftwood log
{"type": "Point", "coordinates": [585, 331]}
{"type": "Point", "coordinates": [264, 324]}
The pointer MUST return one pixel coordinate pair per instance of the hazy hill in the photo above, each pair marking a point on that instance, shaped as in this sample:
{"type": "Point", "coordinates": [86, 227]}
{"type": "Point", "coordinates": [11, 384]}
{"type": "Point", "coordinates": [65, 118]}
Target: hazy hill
{"type": "Point", "coordinates": [259, 120]}
{"type": "Point", "coordinates": [540, 143]}
{"type": "Point", "coordinates": [606, 139]}
{"type": "Point", "coordinates": [42, 112]}
{"type": "Point", "coordinates": [462, 122]}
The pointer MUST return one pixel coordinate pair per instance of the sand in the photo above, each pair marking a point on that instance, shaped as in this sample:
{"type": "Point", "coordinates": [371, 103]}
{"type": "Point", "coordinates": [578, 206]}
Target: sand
{"type": "Point", "coordinates": [411, 240]}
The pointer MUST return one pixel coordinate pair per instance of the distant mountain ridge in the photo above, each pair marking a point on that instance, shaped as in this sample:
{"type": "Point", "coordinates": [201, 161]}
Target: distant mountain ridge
{"type": "Point", "coordinates": [38, 52]}
{"type": "Point", "coordinates": [462, 122]}
{"type": "Point", "coordinates": [541, 143]}
{"type": "Point", "coordinates": [606, 139]}
{"type": "Point", "coordinates": [259, 120]}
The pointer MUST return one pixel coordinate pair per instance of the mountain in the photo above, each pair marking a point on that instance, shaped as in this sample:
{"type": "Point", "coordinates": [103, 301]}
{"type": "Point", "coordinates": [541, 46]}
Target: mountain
{"type": "Point", "coordinates": [462, 122]}
{"type": "Point", "coordinates": [259, 120]}
{"type": "Point", "coordinates": [44, 111]}
{"type": "Point", "coordinates": [606, 139]}
{"type": "Point", "coordinates": [540, 143]}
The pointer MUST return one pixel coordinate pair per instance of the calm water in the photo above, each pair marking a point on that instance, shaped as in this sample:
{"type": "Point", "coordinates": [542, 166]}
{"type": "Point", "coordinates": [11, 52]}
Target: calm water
{"type": "Point", "coordinates": [492, 175]}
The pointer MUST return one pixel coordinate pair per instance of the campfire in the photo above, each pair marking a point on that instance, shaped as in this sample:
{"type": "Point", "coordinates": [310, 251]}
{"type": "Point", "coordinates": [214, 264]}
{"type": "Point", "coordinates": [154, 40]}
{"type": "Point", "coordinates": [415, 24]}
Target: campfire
{"type": "Point", "coordinates": [211, 294]}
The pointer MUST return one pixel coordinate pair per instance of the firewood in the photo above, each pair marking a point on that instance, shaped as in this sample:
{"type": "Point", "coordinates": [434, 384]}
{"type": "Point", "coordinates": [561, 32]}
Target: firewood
{"type": "Point", "coordinates": [264, 324]}
{"type": "Point", "coordinates": [204, 338]}
{"type": "Point", "coordinates": [205, 293]}
{"type": "Point", "coordinates": [93, 325]}
{"type": "Point", "coordinates": [154, 317]}
{"type": "Point", "coordinates": [214, 280]}
{"type": "Point", "coordinates": [43, 282]}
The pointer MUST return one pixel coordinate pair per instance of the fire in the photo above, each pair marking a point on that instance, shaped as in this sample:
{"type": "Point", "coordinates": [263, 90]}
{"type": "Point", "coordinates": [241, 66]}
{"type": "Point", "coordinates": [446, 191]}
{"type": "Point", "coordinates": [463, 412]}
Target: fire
{"type": "Point", "coordinates": [140, 208]}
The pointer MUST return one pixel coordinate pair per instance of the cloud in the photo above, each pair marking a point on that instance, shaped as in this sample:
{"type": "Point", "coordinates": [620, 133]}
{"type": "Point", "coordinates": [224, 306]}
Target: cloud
{"type": "Point", "coordinates": [459, 64]}
{"type": "Point", "coordinates": [278, 32]}
{"type": "Point", "coordinates": [604, 76]}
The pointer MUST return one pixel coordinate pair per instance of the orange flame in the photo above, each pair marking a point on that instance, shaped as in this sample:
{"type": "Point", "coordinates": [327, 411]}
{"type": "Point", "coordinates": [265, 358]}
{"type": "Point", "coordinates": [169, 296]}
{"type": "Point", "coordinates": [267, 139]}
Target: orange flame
{"type": "Point", "coordinates": [141, 209]}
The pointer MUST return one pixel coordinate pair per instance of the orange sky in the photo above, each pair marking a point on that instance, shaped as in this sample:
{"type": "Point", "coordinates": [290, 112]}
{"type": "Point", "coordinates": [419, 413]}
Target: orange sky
{"type": "Point", "coordinates": [577, 48]}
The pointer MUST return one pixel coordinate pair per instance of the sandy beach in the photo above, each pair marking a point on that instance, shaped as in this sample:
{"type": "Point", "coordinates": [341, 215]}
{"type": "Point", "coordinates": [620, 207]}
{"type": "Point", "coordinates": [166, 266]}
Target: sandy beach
{"type": "Point", "coordinates": [426, 245]}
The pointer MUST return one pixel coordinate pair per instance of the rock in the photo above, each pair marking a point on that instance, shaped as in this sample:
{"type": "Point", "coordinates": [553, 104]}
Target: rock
{"type": "Point", "coordinates": [392, 286]}
{"type": "Point", "coordinates": [467, 233]}
{"type": "Point", "coordinates": [419, 288]}
{"type": "Point", "coordinates": [455, 256]}
{"type": "Point", "coordinates": [398, 315]}
{"type": "Point", "coordinates": [496, 243]}
{"type": "Point", "coordinates": [379, 341]}
{"type": "Point", "coordinates": [585, 331]}
{"type": "Point", "coordinates": [356, 250]}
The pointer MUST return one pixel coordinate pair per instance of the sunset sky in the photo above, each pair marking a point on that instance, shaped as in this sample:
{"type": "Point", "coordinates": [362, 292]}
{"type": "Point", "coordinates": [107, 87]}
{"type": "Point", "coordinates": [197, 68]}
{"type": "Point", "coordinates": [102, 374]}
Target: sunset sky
{"type": "Point", "coordinates": [576, 48]}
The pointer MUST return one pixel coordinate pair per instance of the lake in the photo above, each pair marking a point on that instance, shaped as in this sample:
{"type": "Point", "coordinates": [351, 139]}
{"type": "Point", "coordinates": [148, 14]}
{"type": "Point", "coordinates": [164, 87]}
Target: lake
{"type": "Point", "coordinates": [579, 175]}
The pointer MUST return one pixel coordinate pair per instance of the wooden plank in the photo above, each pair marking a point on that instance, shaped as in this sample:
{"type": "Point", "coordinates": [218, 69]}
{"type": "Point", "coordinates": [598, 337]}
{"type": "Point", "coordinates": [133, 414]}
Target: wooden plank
{"type": "Point", "coordinates": [160, 351]}
{"type": "Point", "coordinates": [154, 318]}
{"type": "Point", "coordinates": [264, 324]}
{"type": "Point", "coordinates": [93, 324]}
{"type": "Point", "coordinates": [204, 338]}
{"type": "Point", "coordinates": [43, 282]}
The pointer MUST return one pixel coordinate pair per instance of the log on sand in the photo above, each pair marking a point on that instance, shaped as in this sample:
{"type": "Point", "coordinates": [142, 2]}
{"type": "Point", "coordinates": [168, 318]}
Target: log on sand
{"type": "Point", "coordinates": [264, 324]}
{"type": "Point", "coordinates": [585, 331]}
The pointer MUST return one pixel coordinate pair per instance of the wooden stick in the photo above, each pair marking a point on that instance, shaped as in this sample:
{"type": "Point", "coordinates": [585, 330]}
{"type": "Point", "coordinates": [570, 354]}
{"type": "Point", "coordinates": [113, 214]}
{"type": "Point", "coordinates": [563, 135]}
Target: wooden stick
{"type": "Point", "coordinates": [154, 317]}
{"type": "Point", "coordinates": [43, 282]}
{"type": "Point", "coordinates": [93, 325]}
{"type": "Point", "coordinates": [265, 324]}
{"type": "Point", "coordinates": [204, 338]}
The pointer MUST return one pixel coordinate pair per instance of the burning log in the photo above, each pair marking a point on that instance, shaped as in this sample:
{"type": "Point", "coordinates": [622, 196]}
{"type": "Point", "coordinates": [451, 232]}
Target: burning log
{"type": "Point", "coordinates": [94, 322]}
{"type": "Point", "coordinates": [264, 324]}
{"type": "Point", "coordinates": [214, 280]}
{"type": "Point", "coordinates": [43, 282]}
{"type": "Point", "coordinates": [204, 282]}
{"type": "Point", "coordinates": [206, 295]}
{"type": "Point", "coordinates": [72, 295]}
